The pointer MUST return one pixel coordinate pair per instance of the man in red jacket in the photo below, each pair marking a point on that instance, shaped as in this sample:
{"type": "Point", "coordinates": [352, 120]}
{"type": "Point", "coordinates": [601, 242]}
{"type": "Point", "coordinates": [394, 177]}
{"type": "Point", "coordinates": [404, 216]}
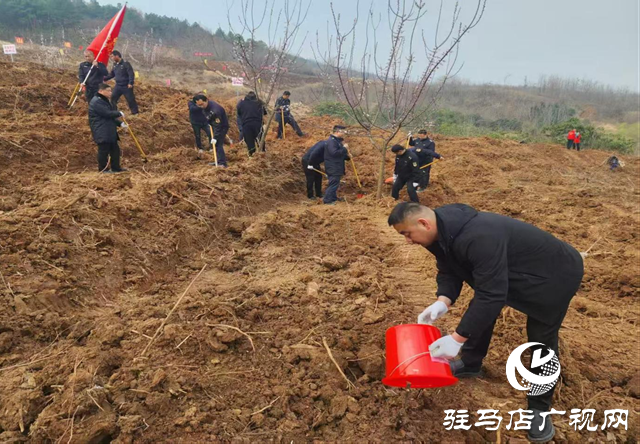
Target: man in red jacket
{"type": "Point", "coordinates": [576, 141]}
{"type": "Point", "coordinates": [571, 137]}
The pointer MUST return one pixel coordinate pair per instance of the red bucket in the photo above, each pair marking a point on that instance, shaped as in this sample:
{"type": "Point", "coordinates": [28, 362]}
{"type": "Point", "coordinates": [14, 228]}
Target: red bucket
{"type": "Point", "coordinates": [409, 363]}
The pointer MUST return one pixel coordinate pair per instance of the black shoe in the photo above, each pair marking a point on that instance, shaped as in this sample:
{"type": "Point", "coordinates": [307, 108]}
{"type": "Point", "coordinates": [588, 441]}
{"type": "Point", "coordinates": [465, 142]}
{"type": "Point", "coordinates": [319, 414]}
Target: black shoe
{"type": "Point", "coordinates": [301, 134]}
{"type": "Point", "coordinates": [459, 370]}
{"type": "Point", "coordinates": [121, 170]}
{"type": "Point", "coordinates": [548, 431]}
{"type": "Point", "coordinates": [340, 199]}
{"type": "Point", "coordinates": [311, 198]}
{"type": "Point", "coordinates": [330, 203]}
{"type": "Point", "coordinates": [106, 172]}
{"type": "Point", "coordinates": [320, 196]}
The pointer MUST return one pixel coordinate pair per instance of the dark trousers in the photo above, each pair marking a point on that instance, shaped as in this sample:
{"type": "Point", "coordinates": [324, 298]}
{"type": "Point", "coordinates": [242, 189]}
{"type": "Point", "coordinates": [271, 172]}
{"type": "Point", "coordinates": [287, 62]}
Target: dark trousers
{"type": "Point", "coordinates": [89, 92]}
{"type": "Point", "coordinates": [250, 132]}
{"type": "Point", "coordinates": [197, 128]}
{"type": "Point", "coordinates": [400, 183]}
{"type": "Point", "coordinates": [106, 151]}
{"type": "Point", "coordinates": [577, 146]}
{"type": "Point", "coordinates": [331, 193]}
{"type": "Point", "coordinates": [476, 348]}
{"type": "Point", "coordinates": [222, 158]}
{"type": "Point", "coordinates": [288, 119]}
{"type": "Point", "coordinates": [128, 94]}
{"type": "Point", "coordinates": [314, 180]}
{"type": "Point", "coordinates": [570, 144]}
{"type": "Point", "coordinates": [425, 177]}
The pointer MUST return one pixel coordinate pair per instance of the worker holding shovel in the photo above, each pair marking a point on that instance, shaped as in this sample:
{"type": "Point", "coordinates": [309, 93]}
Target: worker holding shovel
{"type": "Point", "coordinates": [216, 117]}
{"type": "Point", "coordinates": [507, 263]}
{"type": "Point", "coordinates": [104, 120]}
{"type": "Point", "coordinates": [425, 149]}
{"type": "Point", "coordinates": [311, 161]}
{"type": "Point", "coordinates": [407, 172]}
{"type": "Point", "coordinates": [335, 154]}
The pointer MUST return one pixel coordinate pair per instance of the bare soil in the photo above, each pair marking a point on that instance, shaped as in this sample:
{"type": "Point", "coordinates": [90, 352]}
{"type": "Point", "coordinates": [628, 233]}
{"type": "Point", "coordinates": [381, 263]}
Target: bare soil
{"type": "Point", "coordinates": [92, 264]}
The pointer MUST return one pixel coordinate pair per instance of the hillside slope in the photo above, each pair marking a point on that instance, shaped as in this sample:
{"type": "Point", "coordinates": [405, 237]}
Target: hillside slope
{"type": "Point", "coordinates": [91, 265]}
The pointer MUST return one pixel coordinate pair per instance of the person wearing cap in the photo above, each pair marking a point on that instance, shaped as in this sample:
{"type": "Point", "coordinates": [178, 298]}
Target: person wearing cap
{"type": "Point", "coordinates": [311, 161]}
{"type": "Point", "coordinates": [125, 76]}
{"type": "Point", "coordinates": [407, 172]}
{"type": "Point", "coordinates": [425, 149]}
{"type": "Point", "coordinates": [283, 109]}
{"type": "Point", "coordinates": [506, 262]}
{"type": "Point", "coordinates": [96, 71]}
{"type": "Point", "coordinates": [335, 154]}
{"type": "Point", "coordinates": [250, 113]}
{"type": "Point", "coordinates": [208, 116]}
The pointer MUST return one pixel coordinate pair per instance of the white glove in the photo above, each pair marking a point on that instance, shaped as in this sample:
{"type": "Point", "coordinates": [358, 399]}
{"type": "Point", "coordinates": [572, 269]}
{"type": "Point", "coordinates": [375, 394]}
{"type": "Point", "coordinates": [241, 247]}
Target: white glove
{"type": "Point", "coordinates": [395, 176]}
{"type": "Point", "coordinates": [445, 348]}
{"type": "Point", "coordinates": [121, 113]}
{"type": "Point", "coordinates": [213, 141]}
{"type": "Point", "coordinates": [433, 312]}
{"type": "Point", "coordinates": [310, 167]}
{"type": "Point", "coordinates": [415, 184]}
{"type": "Point", "coordinates": [410, 134]}
{"type": "Point", "coordinates": [124, 125]}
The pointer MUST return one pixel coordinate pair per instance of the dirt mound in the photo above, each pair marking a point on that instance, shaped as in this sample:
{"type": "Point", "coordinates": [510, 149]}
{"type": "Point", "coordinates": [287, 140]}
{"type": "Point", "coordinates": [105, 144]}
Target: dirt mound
{"type": "Point", "coordinates": [91, 266]}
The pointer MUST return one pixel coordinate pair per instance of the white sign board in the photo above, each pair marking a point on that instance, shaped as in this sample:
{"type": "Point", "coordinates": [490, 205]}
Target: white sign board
{"type": "Point", "coordinates": [237, 81]}
{"type": "Point", "coordinates": [9, 49]}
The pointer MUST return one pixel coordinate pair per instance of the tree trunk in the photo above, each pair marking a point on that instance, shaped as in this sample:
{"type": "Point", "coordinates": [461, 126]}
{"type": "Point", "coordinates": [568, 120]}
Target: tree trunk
{"type": "Point", "coordinates": [381, 172]}
{"type": "Point", "coordinates": [263, 139]}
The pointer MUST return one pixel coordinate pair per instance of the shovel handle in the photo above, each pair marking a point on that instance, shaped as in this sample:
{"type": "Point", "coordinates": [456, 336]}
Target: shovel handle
{"type": "Point", "coordinates": [429, 164]}
{"type": "Point", "coordinates": [321, 172]}
{"type": "Point", "coordinates": [75, 91]}
{"type": "Point", "coordinates": [135, 140]}
{"type": "Point", "coordinates": [213, 147]}
{"type": "Point", "coordinates": [355, 171]}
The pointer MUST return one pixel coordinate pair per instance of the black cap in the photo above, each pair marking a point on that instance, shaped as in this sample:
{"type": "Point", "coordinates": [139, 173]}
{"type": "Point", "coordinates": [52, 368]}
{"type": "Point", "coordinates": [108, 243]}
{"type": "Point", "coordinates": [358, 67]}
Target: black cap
{"type": "Point", "coordinates": [286, 93]}
{"type": "Point", "coordinates": [422, 131]}
{"type": "Point", "coordinates": [337, 128]}
{"type": "Point", "coordinates": [397, 148]}
{"type": "Point", "coordinates": [116, 53]}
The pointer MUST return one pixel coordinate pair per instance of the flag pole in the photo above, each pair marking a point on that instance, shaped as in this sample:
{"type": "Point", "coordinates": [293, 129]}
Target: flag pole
{"type": "Point", "coordinates": [113, 24]}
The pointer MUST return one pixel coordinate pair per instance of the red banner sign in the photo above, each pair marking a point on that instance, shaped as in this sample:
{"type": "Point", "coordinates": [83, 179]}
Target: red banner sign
{"type": "Point", "coordinates": [203, 54]}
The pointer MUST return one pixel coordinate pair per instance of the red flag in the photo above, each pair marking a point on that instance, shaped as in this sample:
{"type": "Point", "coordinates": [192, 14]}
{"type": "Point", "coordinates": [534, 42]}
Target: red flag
{"type": "Point", "coordinates": [105, 41]}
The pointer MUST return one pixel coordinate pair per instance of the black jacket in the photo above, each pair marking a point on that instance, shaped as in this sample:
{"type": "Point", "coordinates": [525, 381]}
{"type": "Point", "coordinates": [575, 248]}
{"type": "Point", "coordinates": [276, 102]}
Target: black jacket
{"type": "Point", "coordinates": [102, 120]}
{"type": "Point", "coordinates": [97, 74]}
{"type": "Point", "coordinates": [217, 118]}
{"type": "Point", "coordinates": [250, 111]}
{"type": "Point", "coordinates": [284, 104]}
{"type": "Point", "coordinates": [315, 154]}
{"type": "Point", "coordinates": [425, 149]}
{"type": "Point", "coordinates": [506, 262]}
{"type": "Point", "coordinates": [334, 156]}
{"type": "Point", "coordinates": [123, 72]}
{"type": "Point", "coordinates": [407, 166]}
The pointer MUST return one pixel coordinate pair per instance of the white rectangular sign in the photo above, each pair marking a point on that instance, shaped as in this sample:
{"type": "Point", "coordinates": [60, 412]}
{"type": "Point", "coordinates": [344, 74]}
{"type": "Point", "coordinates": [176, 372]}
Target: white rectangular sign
{"type": "Point", "coordinates": [237, 81]}
{"type": "Point", "coordinates": [9, 49]}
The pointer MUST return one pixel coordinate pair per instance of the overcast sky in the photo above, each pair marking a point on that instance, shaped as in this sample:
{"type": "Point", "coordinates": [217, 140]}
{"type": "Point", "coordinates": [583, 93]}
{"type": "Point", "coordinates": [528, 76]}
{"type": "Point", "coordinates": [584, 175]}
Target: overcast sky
{"type": "Point", "coordinates": [590, 39]}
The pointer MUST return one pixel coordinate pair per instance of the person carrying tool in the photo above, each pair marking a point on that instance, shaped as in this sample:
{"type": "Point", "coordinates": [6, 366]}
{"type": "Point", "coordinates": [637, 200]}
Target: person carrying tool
{"type": "Point", "coordinates": [577, 140]}
{"type": "Point", "coordinates": [506, 262]}
{"type": "Point", "coordinates": [216, 118]}
{"type": "Point", "coordinates": [250, 113]}
{"type": "Point", "coordinates": [125, 76]}
{"type": "Point", "coordinates": [311, 161]}
{"type": "Point", "coordinates": [425, 149]}
{"type": "Point", "coordinates": [104, 120]}
{"type": "Point", "coordinates": [335, 154]}
{"type": "Point", "coordinates": [407, 172]}
{"type": "Point", "coordinates": [199, 123]}
{"type": "Point", "coordinates": [98, 72]}
{"type": "Point", "coordinates": [571, 137]}
{"type": "Point", "coordinates": [614, 163]}
{"type": "Point", "coordinates": [283, 111]}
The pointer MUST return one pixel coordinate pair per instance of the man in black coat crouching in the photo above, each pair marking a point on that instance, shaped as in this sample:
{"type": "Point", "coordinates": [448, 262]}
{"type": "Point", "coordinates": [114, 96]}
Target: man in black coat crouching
{"type": "Point", "coordinates": [506, 262]}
